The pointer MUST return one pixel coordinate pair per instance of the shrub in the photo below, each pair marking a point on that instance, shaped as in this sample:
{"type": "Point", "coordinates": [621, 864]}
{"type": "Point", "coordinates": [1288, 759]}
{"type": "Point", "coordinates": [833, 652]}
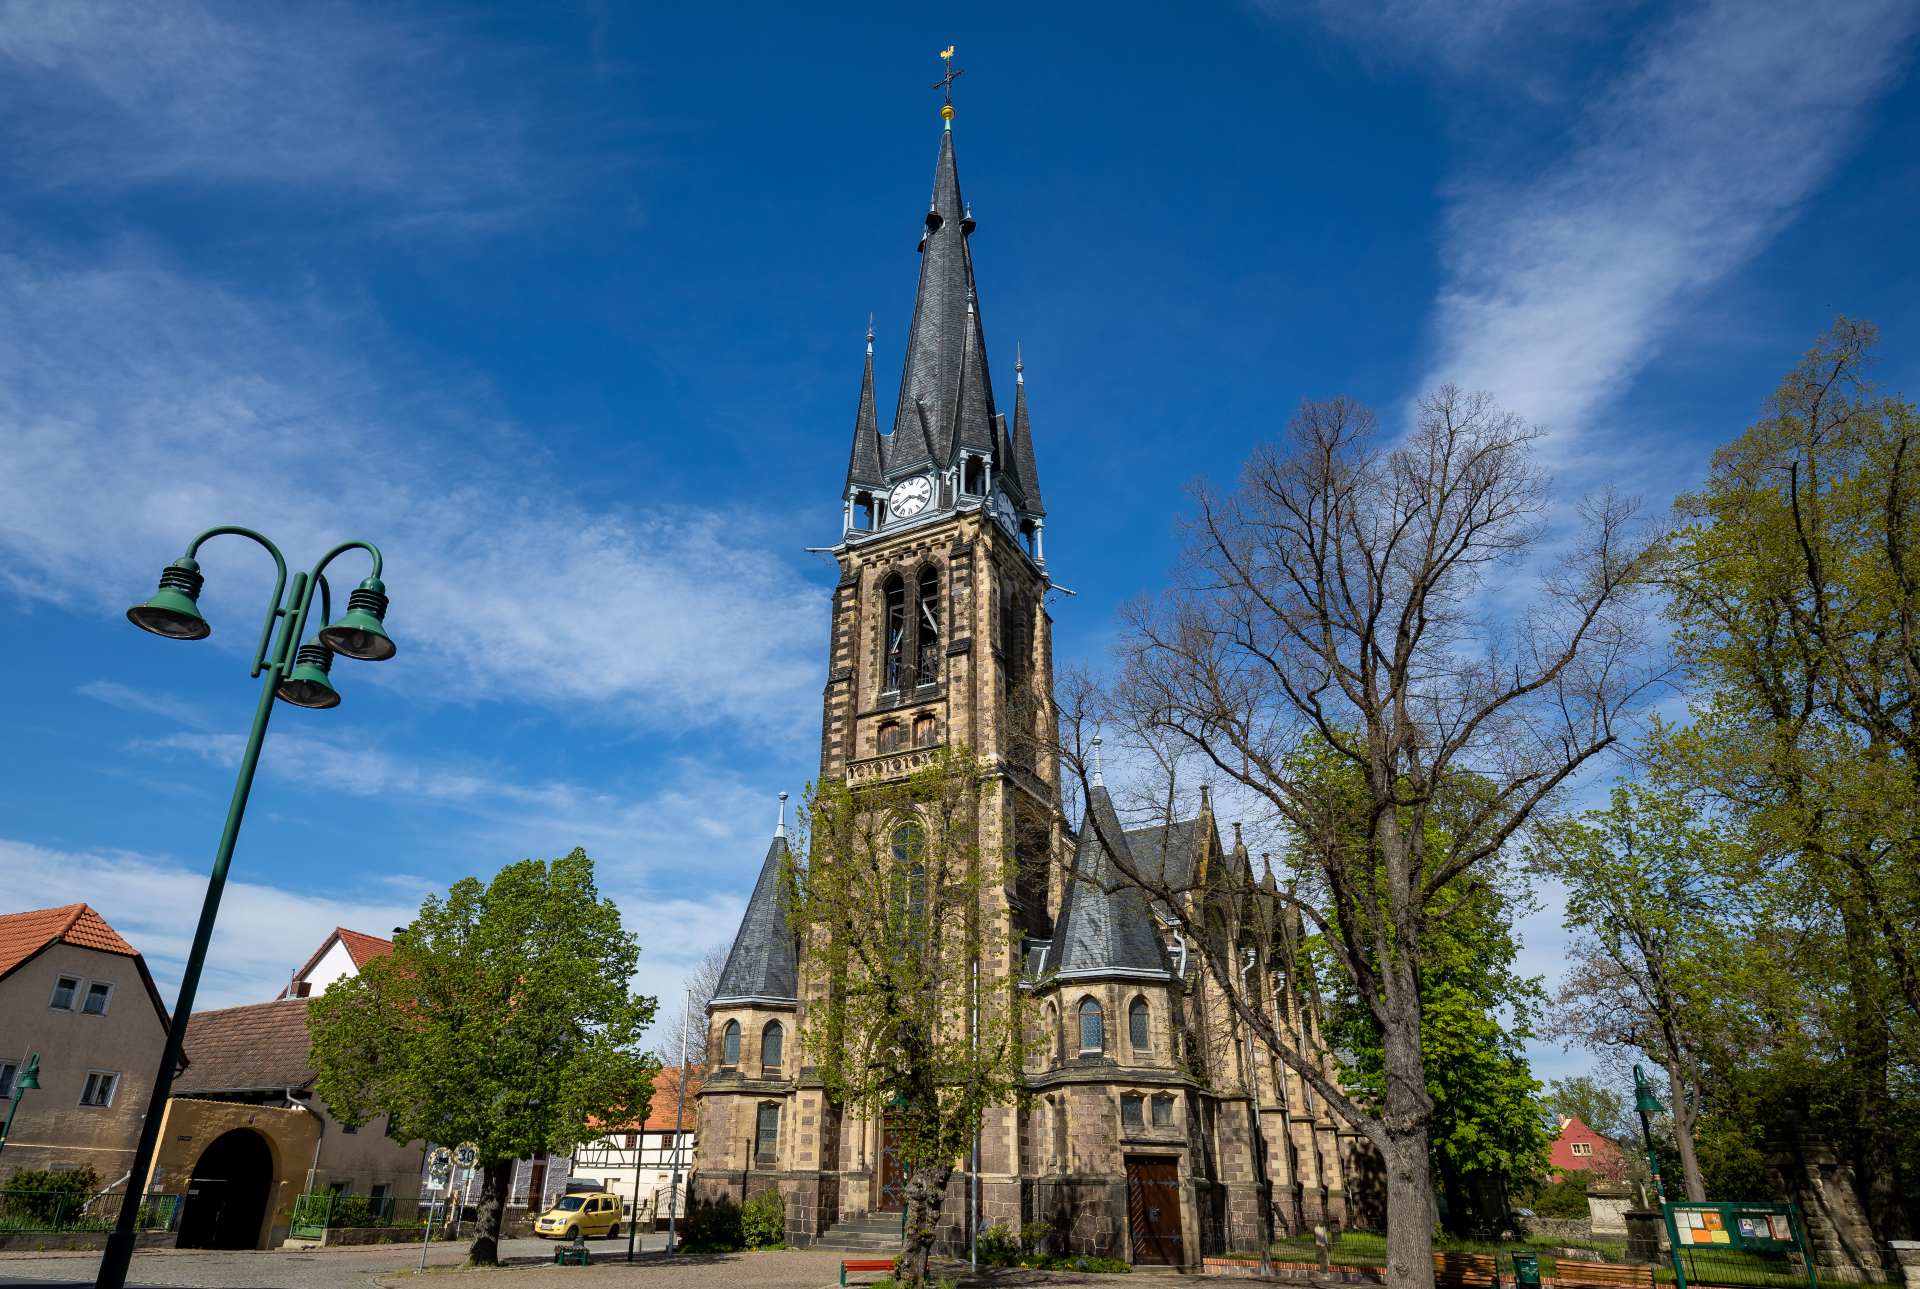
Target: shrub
{"type": "Point", "coordinates": [714, 1225]}
{"type": "Point", "coordinates": [763, 1221]}
{"type": "Point", "coordinates": [1564, 1198]}
{"type": "Point", "coordinates": [45, 1199]}
{"type": "Point", "coordinates": [999, 1246]}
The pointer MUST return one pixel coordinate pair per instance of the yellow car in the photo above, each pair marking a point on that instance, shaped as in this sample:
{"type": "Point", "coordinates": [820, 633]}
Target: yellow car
{"type": "Point", "coordinates": [591, 1215]}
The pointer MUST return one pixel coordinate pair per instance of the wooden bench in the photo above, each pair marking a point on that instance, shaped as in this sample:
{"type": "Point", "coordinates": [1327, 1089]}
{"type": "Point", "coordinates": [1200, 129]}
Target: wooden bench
{"type": "Point", "coordinates": [1465, 1271]}
{"type": "Point", "coordinates": [863, 1265]}
{"type": "Point", "coordinates": [1608, 1275]}
{"type": "Point", "coordinates": [567, 1255]}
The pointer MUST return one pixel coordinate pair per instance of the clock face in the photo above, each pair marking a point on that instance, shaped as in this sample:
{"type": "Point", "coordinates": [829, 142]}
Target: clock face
{"type": "Point", "coordinates": [909, 497]}
{"type": "Point", "coordinates": [1003, 510]}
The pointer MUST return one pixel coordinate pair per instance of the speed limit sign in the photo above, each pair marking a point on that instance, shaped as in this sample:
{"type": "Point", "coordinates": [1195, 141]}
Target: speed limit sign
{"type": "Point", "coordinates": [467, 1155]}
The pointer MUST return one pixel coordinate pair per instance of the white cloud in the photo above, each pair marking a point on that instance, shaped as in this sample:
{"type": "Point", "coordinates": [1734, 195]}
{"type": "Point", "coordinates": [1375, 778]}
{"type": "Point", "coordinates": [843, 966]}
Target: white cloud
{"type": "Point", "coordinates": [127, 698]}
{"type": "Point", "coordinates": [1560, 288]}
{"type": "Point", "coordinates": [1456, 36]}
{"type": "Point", "coordinates": [154, 405]}
{"type": "Point", "coordinates": [112, 92]}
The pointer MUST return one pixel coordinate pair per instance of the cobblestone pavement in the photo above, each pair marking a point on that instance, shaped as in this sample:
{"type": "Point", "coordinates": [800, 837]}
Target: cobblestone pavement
{"type": "Point", "coordinates": [785, 1269]}
{"type": "Point", "coordinates": [310, 1269]}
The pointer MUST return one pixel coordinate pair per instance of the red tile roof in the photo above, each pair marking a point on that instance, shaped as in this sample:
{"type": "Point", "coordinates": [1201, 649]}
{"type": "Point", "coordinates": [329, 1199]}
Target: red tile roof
{"type": "Point", "coordinates": [361, 947]}
{"type": "Point", "coordinates": [24, 934]}
{"type": "Point", "coordinates": [666, 1087]}
{"type": "Point", "coordinates": [253, 1048]}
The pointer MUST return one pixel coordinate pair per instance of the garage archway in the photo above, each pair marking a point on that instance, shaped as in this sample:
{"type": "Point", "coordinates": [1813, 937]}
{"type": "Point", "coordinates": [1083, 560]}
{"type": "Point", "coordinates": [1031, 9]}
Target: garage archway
{"type": "Point", "coordinates": [227, 1198]}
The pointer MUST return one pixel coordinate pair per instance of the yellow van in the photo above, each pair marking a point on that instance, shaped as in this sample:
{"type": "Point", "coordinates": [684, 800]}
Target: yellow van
{"type": "Point", "coordinates": [591, 1214]}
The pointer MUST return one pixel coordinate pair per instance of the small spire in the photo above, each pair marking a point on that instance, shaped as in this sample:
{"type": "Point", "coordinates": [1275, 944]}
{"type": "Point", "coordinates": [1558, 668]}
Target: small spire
{"type": "Point", "coordinates": [1266, 865]}
{"type": "Point", "coordinates": [780, 829]}
{"type": "Point", "coordinates": [1019, 366]}
{"type": "Point", "coordinates": [1237, 843]}
{"type": "Point", "coordinates": [1206, 797]}
{"type": "Point", "coordinates": [1099, 776]}
{"type": "Point", "coordinates": [869, 335]}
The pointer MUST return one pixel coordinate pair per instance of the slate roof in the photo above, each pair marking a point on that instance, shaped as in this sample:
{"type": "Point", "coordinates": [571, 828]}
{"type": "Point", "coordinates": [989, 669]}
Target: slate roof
{"type": "Point", "coordinates": [22, 935]}
{"type": "Point", "coordinates": [1104, 927]}
{"type": "Point", "coordinates": [763, 965]}
{"type": "Point", "coordinates": [1164, 854]}
{"type": "Point", "coordinates": [863, 463]}
{"type": "Point", "coordinates": [256, 1048]}
{"type": "Point", "coordinates": [1023, 463]}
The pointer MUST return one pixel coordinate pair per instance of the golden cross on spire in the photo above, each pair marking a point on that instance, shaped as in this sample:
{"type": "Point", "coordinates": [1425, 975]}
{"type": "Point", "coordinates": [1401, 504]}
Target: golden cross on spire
{"type": "Point", "coordinates": [945, 83]}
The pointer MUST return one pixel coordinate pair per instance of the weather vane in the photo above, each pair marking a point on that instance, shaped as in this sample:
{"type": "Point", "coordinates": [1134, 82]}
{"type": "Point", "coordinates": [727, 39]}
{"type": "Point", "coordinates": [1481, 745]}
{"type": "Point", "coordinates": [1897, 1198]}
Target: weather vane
{"type": "Point", "coordinates": [945, 83]}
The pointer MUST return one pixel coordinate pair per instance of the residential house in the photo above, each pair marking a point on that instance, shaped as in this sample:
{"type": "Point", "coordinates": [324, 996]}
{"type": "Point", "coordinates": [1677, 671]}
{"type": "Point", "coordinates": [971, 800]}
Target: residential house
{"type": "Point", "coordinates": [75, 994]}
{"type": "Point", "coordinates": [342, 954]}
{"type": "Point", "coordinates": [1580, 1149]}
{"type": "Point", "coordinates": [651, 1159]}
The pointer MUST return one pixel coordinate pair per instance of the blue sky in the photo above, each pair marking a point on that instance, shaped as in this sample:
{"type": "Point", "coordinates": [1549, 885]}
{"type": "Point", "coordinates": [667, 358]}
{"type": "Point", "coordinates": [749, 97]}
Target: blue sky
{"type": "Point", "coordinates": [567, 312]}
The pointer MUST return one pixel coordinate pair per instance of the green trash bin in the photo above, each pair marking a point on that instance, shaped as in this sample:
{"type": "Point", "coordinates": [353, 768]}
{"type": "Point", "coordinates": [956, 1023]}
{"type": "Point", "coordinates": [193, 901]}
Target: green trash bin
{"type": "Point", "coordinates": [1526, 1271]}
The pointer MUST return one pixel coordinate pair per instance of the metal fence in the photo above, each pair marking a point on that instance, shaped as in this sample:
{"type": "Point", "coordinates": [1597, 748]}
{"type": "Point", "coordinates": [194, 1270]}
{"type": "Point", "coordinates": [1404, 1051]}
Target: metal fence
{"type": "Point", "coordinates": [317, 1212]}
{"type": "Point", "coordinates": [26, 1210]}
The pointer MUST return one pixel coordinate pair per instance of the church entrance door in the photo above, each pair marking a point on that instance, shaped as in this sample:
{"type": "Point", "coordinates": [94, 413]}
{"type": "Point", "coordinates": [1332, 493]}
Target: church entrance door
{"type": "Point", "coordinates": [893, 1177]}
{"type": "Point", "coordinates": [1153, 1211]}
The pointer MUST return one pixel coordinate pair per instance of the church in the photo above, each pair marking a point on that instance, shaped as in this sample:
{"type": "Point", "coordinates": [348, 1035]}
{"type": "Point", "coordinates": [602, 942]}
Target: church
{"type": "Point", "coordinates": [1151, 1127]}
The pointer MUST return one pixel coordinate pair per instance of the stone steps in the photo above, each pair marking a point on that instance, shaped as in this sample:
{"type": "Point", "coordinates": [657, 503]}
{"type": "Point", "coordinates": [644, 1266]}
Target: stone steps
{"type": "Point", "coordinates": [874, 1233]}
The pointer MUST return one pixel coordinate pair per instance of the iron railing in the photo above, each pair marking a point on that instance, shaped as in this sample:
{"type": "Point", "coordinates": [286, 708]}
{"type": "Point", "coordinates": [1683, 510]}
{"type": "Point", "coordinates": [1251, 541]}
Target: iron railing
{"type": "Point", "coordinates": [36, 1210]}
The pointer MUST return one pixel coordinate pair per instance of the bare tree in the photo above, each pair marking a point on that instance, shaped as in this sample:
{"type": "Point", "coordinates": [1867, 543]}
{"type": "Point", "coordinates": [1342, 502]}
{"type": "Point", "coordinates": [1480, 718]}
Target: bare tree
{"type": "Point", "coordinates": [689, 1021]}
{"type": "Point", "coordinates": [1343, 645]}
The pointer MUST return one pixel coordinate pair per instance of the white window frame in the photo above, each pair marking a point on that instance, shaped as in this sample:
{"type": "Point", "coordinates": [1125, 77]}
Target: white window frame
{"type": "Point", "coordinates": [113, 1089]}
{"type": "Point", "coordinates": [1582, 1149]}
{"type": "Point", "coordinates": [10, 1068]}
{"type": "Point", "coordinates": [79, 982]}
{"type": "Point", "coordinates": [106, 1004]}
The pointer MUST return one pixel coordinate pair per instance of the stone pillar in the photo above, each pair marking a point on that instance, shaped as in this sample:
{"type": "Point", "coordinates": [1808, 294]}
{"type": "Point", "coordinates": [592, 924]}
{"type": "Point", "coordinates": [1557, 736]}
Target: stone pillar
{"type": "Point", "coordinates": [1814, 1175]}
{"type": "Point", "coordinates": [1644, 1229]}
{"type": "Point", "coordinates": [1607, 1205]}
{"type": "Point", "coordinates": [1907, 1254]}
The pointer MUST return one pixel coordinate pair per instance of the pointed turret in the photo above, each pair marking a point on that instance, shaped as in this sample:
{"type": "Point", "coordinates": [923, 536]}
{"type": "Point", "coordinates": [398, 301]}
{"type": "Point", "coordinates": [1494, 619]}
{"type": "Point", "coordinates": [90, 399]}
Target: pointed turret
{"type": "Point", "coordinates": [863, 464]}
{"type": "Point", "coordinates": [1104, 928]}
{"type": "Point", "coordinates": [1023, 464]}
{"type": "Point", "coordinates": [762, 966]}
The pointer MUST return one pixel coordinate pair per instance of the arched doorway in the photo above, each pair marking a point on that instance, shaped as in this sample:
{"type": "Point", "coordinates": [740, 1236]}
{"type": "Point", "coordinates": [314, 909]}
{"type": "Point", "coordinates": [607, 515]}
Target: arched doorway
{"type": "Point", "coordinates": [227, 1198]}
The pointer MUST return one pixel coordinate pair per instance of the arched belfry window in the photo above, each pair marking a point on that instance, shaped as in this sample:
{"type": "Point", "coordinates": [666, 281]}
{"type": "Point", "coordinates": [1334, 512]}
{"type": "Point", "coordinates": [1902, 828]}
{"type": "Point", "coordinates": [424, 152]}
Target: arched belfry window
{"type": "Point", "coordinates": [894, 594]}
{"type": "Point", "coordinates": [1093, 1036]}
{"type": "Point", "coordinates": [730, 1044]}
{"type": "Point", "coordinates": [927, 646]}
{"type": "Point", "coordinates": [772, 1041]}
{"type": "Point", "coordinates": [975, 482]}
{"type": "Point", "coordinates": [1139, 1027]}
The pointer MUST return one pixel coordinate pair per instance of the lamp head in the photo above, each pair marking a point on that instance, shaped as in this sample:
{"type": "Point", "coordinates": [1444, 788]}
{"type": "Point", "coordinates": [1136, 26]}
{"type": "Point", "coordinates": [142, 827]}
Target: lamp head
{"type": "Point", "coordinates": [308, 685]}
{"type": "Point", "coordinates": [173, 611]}
{"type": "Point", "coordinates": [29, 1080]}
{"type": "Point", "coordinates": [1643, 1098]}
{"type": "Point", "coordinates": [360, 633]}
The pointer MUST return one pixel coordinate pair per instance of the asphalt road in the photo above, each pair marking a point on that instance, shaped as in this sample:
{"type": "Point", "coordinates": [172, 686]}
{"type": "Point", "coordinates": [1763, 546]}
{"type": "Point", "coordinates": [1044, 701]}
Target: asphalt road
{"type": "Point", "coordinates": [305, 1269]}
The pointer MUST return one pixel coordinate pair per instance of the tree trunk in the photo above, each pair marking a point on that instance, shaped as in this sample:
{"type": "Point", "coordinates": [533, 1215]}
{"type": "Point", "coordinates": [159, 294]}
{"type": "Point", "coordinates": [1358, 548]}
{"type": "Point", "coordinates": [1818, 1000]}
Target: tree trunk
{"type": "Point", "coordinates": [1407, 1119]}
{"type": "Point", "coordinates": [1684, 1119]}
{"type": "Point", "coordinates": [926, 1189]}
{"type": "Point", "coordinates": [494, 1180]}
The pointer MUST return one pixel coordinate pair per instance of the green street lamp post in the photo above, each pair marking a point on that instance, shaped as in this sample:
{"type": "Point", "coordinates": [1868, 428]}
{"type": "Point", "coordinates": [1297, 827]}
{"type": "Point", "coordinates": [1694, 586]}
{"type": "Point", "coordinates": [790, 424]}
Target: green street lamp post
{"type": "Point", "coordinates": [1646, 1103]}
{"type": "Point", "coordinates": [28, 1081]}
{"type": "Point", "coordinates": [296, 673]}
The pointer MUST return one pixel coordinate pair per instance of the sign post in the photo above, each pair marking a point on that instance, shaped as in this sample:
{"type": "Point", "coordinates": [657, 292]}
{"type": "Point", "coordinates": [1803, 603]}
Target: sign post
{"type": "Point", "coordinates": [439, 1170]}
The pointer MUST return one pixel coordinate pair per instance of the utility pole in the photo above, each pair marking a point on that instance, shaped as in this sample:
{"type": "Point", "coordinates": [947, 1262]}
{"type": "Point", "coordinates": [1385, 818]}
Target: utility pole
{"type": "Point", "coordinates": [679, 1110]}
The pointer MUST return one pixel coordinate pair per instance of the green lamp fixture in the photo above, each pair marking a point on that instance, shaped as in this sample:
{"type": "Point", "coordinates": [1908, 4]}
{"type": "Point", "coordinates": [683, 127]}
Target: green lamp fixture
{"type": "Point", "coordinates": [29, 1080]}
{"type": "Point", "coordinates": [308, 684]}
{"type": "Point", "coordinates": [361, 633]}
{"type": "Point", "coordinates": [173, 611]}
{"type": "Point", "coordinates": [1643, 1099]}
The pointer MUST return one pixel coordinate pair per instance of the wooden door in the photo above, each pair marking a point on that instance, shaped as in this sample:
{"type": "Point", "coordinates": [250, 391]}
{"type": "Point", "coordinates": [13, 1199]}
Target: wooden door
{"type": "Point", "coordinates": [1153, 1211]}
{"type": "Point", "coordinates": [893, 1178]}
{"type": "Point", "coordinates": [537, 1188]}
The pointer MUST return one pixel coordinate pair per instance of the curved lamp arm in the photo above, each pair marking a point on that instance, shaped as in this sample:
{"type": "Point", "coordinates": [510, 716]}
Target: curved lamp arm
{"type": "Point", "coordinates": [279, 582]}
{"type": "Point", "coordinates": [317, 578]}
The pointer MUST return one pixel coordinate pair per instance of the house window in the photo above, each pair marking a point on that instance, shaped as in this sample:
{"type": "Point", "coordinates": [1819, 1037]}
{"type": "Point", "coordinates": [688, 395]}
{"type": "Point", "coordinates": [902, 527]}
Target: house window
{"type": "Point", "coordinates": [8, 1069]}
{"type": "Point", "coordinates": [1163, 1112]}
{"type": "Point", "coordinates": [631, 1141]}
{"type": "Point", "coordinates": [99, 1089]}
{"type": "Point", "coordinates": [925, 731]}
{"type": "Point", "coordinates": [63, 991]}
{"type": "Point", "coordinates": [894, 668]}
{"type": "Point", "coordinates": [1583, 1149]}
{"type": "Point", "coordinates": [1092, 1032]}
{"type": "Point", "coordinates": [1138, 1018]}
{"type": "Point", "coordinates": [891, 737]}
{"type": "Point", "coordinates": [1131, 1107]}
{"type": "Point", "coordinates": [766, 1148]}
{"type": "Point", "coordinates": [772, 1040]}
{"type": "Point", "coordinates": [730, 1044]}
{"type": "Point", "coordinates": [98, 992]}
{"type": "Point", "coordinates": [927, 647]}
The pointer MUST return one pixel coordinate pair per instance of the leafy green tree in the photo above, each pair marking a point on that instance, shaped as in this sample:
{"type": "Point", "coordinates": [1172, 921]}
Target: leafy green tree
{"type": "Point", "coordinates": [893, 899]}
{"type": "Point", "coordinates": [503, 1018]}
{"type": "Point", "coordinates": [1603, 1108]}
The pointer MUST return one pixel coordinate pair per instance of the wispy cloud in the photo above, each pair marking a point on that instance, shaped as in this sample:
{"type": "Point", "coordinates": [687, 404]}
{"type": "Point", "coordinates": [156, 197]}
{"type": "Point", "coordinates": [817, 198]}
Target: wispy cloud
{"type": "Point", "coordinates": [127, 698]}
{"type": "Point", "coordinates": [1460, 37]}
{"type": "Point", "coordinates": [356, 98]}
{"type": "Point", "coordinates": [504, 585]}
{"type": "Point", "coordinates": [1560, 287]}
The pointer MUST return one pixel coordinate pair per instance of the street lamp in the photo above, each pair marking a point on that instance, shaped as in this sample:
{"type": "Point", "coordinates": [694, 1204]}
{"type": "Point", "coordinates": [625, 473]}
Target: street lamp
{"type": "Point", "coordinates": [28, 1081]}
{"type": "Point", "coordinates": [1646, 1103]}
{"type": "Point", "coordinates": [295, 673]}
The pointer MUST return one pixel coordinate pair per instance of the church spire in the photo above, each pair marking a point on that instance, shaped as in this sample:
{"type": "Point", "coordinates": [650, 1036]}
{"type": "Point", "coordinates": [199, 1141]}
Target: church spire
{"type": "Point", "coordinates": [942, 344]}
{"type": "Point", "coordinates": [1023, 463]}
{"type": "Point", "coordinates": [863, 464]}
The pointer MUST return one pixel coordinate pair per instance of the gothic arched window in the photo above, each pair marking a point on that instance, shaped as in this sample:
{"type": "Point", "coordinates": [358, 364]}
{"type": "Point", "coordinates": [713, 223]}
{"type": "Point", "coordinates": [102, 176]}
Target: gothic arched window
{"type": "Point", "coordinates": [927, 646]}
{"type": "Point", "coordinates": [926, 731]}
{"type": "Point", "coordinates": [910, 871]}
{"type": "Point", "coordinates": [772, 1040]}
{"type": "Point", "coordinates": [766, 1136]}
{"type": "Point", "coordinates": [730, 1044]}
{"type": "Point", "coordinates": [1139, 1017]}
{"type": "Point", "coordinates": [1093, 1037]}
{"type": "Point", "coordinates": [894, 667]}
